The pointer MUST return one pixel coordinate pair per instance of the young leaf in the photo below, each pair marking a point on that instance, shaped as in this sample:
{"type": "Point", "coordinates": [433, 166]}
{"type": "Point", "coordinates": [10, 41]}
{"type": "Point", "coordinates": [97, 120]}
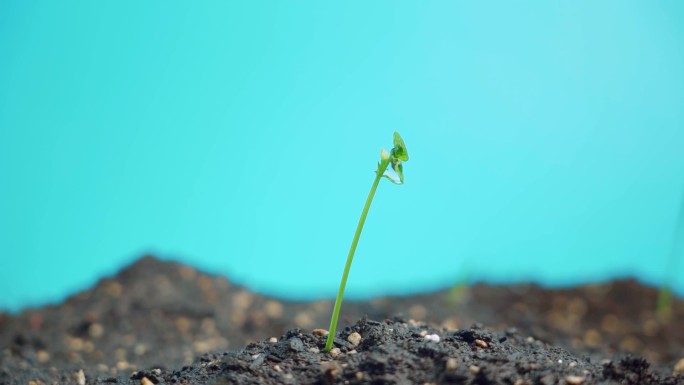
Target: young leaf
{"type": "Point", "coordinates": [399, 151]}
{"type": "Point", "coordinates": [393, 176]}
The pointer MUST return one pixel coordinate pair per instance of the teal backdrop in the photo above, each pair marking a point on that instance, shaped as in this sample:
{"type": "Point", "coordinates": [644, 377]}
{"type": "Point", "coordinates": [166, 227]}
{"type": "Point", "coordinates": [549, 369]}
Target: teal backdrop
{"type": "Point", "coordinates": [546, 142]}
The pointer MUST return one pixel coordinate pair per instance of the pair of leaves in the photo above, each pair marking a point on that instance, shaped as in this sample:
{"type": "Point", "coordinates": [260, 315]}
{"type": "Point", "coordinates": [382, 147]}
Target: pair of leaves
{"type": "Point", "coordinates": [397, 155]}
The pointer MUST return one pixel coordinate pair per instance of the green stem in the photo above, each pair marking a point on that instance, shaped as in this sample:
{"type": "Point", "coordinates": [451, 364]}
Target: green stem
{"type": "Point", "coordinates": [338, 301]}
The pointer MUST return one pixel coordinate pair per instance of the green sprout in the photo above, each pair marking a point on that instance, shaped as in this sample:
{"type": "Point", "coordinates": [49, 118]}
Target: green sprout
{"type": "Point", "coordinates": [665, 295]}
{"type": "Point", "coordinates": [458, 293]}
{"type": "Point", "coordinates": [396, 156]}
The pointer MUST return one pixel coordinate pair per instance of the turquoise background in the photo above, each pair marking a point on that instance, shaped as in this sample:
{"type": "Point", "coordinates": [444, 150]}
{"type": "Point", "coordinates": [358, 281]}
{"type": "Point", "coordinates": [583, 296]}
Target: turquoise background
{"type": "Point", "coordinates": [546, 142]}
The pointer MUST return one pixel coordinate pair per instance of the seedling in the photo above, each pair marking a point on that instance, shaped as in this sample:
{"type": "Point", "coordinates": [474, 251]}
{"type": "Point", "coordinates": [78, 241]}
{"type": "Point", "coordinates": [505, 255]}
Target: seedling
{"type": "Point", "coordinates": [458, 293]}
{"type": "Point", "coordinates": [666, 296]}
{"type": "Point", "coordinates": [396, 156]}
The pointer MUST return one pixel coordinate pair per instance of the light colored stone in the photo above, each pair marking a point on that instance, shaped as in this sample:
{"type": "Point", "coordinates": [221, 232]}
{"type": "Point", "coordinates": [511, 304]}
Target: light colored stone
{"type": "Point", "coordinates": [335, 352]}
{"type": "Point", "coordinates": [139, 349]}
{"type": "Point", "coordinates": [575, 380]}
{"type": "Point", "coordinates": [678, 368]}
{"type": "Point", "coordinates": [273, 309]}
{"type": "Point", "coordinates": [114, 289]}
{"type": "Point", "coordinates": [95, 330]}
{"type": "Point", "coordinates": [432, 338]}
{"type": "Point", "coordinates": [319, 332]}
{"type": "Point", "coordinates": [354, 338]}
{"type": "Point", "coordinates": [272, 340]}
{"type": "Point", "coordinates": [146, 381]}
{"type": "Point", "coordinates": [303, 320]}
{"type": "Point", "coordinates": [417, 312]}
{"type": "Point", "coordinates": [451, 364]}
{"type": "Point", "coordinates": [42, 356]}
{"type": "Point", "coordinates": [481, 343]}
{"type": "Point", "coordinates": [187, 273]}
{"type": "Point", "coordinates": [80, 377]}
{"type": "Point", "coordinates": [242, 300]}
{"type": "Point", "coordinates": [314, 350]}
{"type": "Point", "coordinates": [182, 324]}
{"type": "Point", "coordinates": [331, 368]}
{"type": "Point", "coordinates": [592, 338]}
{"type": "Point", "coordinates": [474, 369]}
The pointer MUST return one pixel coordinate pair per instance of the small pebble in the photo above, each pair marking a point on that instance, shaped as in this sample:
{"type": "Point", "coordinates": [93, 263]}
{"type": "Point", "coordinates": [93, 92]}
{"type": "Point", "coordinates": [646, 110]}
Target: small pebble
{"type": "Point", "coordinates": [417, 311]}
{"type": "Point", "coordinates": [474, 369]}
{"type": "Point", "coordinates": [319, 332]}
{"type": "Point", "coordinates": [451, 364]}
{"type": "Point", "coordinates": [139, 349]}
{"type": "Point", "coordinates": [277, 368]}
{"type": "Point", "coordinates": [432, 338]}
{"type": "Point", "coordinates": [43, 356]}
{"type": "Point", "coordinates": [303, 320]}
{"type": "Point", "coordinates": [359, 375]}
{"type": "Point", "coordinates": [314, 350]}
{"type": "Point", "coordinates": [335, 352]}
{"type": "Point", "coordinates": [96, 330]}
{"type": "Point", "coordinates": [331, 368]}
{"type": "Point", "coordinates": [273, 309]}
{"type": "Point", "coordinates": [80, 377]}
{"type": "Point", "coordinates": [146, 381]}
{"type": "Point", "coordinates": [678, 368]}
{"type": "Point", "coordinates": [574, 380]}
{"type": "Point", "coordinates": [353, 351]}
{"type": "Point", "coordinates": [272, 340]}
{"type": "Point", "coordinates": [481, 343]}
{"type": "Point", "coordinates": [354, 338]}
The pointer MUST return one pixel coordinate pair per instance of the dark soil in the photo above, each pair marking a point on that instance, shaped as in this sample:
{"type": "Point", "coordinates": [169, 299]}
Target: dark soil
{"type": "Point", "coordinates": [155, 318]}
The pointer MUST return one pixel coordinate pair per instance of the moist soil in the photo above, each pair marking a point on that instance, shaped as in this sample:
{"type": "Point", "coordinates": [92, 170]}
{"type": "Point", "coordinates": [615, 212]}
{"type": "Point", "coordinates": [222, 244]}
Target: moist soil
{"type": "Point", "coordinates": [164, 322]}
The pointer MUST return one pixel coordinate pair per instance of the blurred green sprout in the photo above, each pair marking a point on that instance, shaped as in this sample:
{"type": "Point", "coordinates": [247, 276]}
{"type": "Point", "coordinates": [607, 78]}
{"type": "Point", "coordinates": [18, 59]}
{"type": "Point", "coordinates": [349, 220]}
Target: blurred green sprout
{"type": "Point", "coordinates": [666, 297]}
{"type": "Point", "coordinates": [390, 167]}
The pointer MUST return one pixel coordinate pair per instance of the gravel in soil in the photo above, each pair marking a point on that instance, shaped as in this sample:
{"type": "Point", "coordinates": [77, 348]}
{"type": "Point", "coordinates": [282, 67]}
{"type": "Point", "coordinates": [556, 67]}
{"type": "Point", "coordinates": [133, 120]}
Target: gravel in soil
{"type": "Point", "coordinates": [156, 317]}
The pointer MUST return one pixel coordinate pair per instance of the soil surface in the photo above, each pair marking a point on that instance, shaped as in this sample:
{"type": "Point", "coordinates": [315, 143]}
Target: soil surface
{"type": "Point", "coordinates": [163, 322]}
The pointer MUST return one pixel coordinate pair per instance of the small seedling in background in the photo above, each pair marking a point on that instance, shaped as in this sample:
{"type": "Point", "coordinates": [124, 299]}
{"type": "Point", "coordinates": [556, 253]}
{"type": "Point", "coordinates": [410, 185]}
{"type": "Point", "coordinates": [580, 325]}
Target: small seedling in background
{"type": "Point", "coordinates": [396, 156]}
{"type": "Point", "coordinates": [458, 293]}
{"type": "Point", "coordinates": [666, 296]}
{"type": "Point", "coordinates": [664, 305]}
